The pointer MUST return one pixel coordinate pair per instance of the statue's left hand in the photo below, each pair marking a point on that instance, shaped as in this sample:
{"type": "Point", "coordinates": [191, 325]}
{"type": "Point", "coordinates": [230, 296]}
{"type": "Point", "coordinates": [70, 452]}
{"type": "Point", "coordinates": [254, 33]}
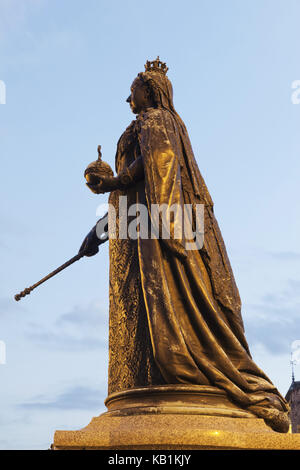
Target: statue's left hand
{"type": "Point", "coordinates": [106, 185]}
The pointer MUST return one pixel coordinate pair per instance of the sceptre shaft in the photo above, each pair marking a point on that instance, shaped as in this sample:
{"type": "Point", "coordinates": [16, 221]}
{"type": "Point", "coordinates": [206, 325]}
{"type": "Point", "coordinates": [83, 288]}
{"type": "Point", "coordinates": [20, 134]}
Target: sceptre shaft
{"type": "Point", "coordinates": [53, 273]}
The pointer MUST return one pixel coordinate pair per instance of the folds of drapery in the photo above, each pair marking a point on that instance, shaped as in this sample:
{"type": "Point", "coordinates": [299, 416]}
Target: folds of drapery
{"type": "Point", "coordinates": [192, 302]}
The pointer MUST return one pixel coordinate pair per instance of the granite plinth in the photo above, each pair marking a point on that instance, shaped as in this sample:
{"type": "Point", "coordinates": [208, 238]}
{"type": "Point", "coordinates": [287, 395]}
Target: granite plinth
{"type": "Point", "coordinates": [171, 418]}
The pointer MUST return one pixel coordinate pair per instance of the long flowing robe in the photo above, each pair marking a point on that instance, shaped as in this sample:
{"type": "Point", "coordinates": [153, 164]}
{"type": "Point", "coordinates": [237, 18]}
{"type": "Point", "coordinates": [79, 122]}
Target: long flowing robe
{"type": "Point", "coordinates": [175, 314]}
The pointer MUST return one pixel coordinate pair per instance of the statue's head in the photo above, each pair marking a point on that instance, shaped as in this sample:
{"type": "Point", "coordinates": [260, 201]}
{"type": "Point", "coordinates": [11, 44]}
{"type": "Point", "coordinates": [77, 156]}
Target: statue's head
{"type": "Point", "coordinates": [151, 88]}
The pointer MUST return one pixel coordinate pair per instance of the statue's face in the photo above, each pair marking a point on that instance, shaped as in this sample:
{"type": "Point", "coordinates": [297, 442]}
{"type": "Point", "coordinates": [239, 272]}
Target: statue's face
{"type": "Point", "coordinates": [139, 97]}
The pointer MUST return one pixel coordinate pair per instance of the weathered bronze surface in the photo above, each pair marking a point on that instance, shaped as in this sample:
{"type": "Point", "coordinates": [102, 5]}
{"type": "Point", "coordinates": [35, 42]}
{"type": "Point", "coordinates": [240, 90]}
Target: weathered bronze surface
{"type": "Point", "coordinates": [96, 169]}
{"type": "Point", "coordinates": [174, 399]}
{"type": "Point", "coordinates": [175, 315]}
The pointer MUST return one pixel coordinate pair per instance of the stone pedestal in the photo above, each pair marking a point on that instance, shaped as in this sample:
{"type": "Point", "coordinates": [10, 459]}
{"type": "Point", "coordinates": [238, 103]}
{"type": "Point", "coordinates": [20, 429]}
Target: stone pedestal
{"type": "Point", "coordinates": [174, 417]}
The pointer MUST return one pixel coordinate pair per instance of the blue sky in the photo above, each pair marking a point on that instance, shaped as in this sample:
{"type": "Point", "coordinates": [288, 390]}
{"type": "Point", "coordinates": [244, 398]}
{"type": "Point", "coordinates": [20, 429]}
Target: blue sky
{"type": "Point", "coordinates": [68, 66]}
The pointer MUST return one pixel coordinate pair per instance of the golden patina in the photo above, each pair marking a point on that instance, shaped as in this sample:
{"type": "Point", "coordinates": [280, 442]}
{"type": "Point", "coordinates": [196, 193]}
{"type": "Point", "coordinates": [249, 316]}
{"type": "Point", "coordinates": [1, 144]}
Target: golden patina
{"type": "Point", "coordinates": [175, 314]}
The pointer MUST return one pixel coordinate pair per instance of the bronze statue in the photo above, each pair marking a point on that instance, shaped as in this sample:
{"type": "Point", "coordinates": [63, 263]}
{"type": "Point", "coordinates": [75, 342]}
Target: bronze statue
{"type": "Point", "coordinates": [175, 314]}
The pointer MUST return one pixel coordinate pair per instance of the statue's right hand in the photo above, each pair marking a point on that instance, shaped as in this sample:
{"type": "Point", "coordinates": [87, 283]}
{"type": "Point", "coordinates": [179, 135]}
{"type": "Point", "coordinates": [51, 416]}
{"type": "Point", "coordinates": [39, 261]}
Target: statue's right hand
{"type": "Point", "coordinates": [90, 244]}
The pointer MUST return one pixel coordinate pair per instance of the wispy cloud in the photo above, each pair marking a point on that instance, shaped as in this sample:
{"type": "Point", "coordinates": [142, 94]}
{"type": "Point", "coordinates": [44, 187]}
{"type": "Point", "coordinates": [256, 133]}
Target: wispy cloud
{"type": "Point", "coordinates": [9, 306]}
{"type": "Point", "coordinates": [90, 314]}
{"type": "Point", "coordinates": [34, 46]}
{"type": "Point", "coordinates": [275, 320]}
{"type": "Point", "coordinates": [47, 46]}
{"type": "Point", "coordinates": [82, 329]}
{"type": "Point", "coordinates": [14, 14]}
{"type": "Point", "coordinates": [285, 255]}
{"type": "Point", "coordinates": [66, 342]}
{"type": "Point", "coordinates": [79, 398]}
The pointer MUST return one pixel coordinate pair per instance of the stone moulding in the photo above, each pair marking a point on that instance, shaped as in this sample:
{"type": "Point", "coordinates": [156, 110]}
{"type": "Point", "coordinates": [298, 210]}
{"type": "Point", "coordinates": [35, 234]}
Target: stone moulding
{"type": "Point", "coordinates": [177, 399]}
{"type": "Point", "coordinates": [174, 417]}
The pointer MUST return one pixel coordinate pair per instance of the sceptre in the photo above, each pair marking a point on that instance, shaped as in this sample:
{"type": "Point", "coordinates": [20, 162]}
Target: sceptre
{"type": "Point", "coordinates": [101, 225]}
{"type": "Point", "coordinates": [93, 172]}
{"type": "Point", "coordinates": [53, 273]}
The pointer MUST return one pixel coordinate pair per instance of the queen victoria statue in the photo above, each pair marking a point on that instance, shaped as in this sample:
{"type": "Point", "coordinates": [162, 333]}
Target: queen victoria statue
{"type": "Point", "coordinates": [174, 309]}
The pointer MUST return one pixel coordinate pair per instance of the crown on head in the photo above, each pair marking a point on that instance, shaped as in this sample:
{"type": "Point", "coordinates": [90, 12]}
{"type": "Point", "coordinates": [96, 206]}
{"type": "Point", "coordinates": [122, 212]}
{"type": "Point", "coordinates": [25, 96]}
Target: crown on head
{"type": "Point", "coordinates": [156, 66]}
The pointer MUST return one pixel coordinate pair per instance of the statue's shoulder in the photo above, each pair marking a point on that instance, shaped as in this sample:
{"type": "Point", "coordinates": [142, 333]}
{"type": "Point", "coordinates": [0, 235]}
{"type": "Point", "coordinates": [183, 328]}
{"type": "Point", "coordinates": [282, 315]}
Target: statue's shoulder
{"type": "Point", "coordinates": [152, 113]}
{"type": "Point", "coordinates": [128, 137]}
{"type": "Point", "coordinates": [153, 116]}
{"type": "Point", "coordinates": [128, 131]}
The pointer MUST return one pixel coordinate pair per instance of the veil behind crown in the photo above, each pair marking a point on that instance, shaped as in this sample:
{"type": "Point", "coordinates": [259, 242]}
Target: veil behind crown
{"type": "Point", "coordinates": [162, 94]}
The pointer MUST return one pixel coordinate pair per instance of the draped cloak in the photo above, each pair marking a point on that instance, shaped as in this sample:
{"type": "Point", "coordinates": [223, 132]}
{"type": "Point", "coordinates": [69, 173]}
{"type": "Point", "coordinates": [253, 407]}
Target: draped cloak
{"type": "Point", "coordinates": [175, 314]}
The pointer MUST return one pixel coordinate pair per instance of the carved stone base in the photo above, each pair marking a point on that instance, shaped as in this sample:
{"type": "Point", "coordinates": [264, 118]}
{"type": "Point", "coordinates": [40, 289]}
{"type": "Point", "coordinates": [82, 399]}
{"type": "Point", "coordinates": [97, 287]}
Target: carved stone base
{"type": "Point", "coordinates": [174, 417]}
